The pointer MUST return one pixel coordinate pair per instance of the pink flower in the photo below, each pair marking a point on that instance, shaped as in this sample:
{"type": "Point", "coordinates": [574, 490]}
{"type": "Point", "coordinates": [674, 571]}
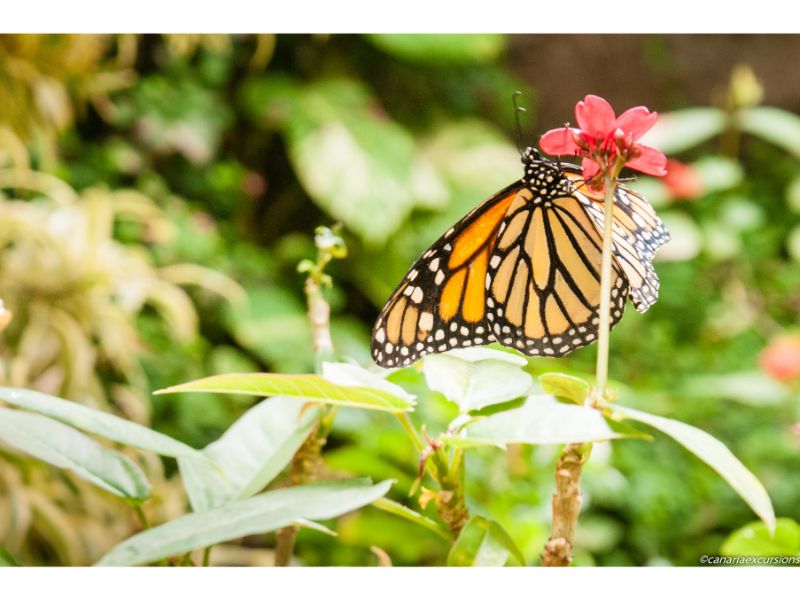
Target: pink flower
{"type": "Point", "coordinates": [682, 181]}
{"type": "Point", "coordinates": [781, 358]}
{"type": "Point", "coordinates": [607, 142]}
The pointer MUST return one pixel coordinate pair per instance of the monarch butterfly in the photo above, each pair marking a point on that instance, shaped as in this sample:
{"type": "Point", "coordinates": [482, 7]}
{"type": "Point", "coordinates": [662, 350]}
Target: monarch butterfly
{"type": "Point", "coordinates": [523, 269]}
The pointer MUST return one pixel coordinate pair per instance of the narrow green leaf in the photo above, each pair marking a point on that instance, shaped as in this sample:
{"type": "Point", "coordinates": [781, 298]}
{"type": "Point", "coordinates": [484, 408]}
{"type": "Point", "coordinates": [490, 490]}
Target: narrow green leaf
{"type": "Point", "coordinates": [250, 454]}
{"type": "Point", "coordinates": [484, 543]}
{"type": "Point", "coordinates": [399, 510]}
{"type": "Point", "coordinates": [755, 539]}
{"type": "Point", "coordinates": [315, 526]}
{"type": "Point", "coordinates": [266, 512]}
{"type": "Point", "coordinates": [564, 386]}
{"type": "Point", "coordinates": [541, 420]}
{"type": "Point", "coordinates": [67, 448]}
{"type": "Point", "coordinates": [94, 421]}
{"type": "Point", "coordinates": [353, 375]}
{"type": "Point", "coordinates": [479, 377]}
{"type": "Point", "coordinates": [683, 129]}
{"type": "Point", "coordinates": [775, 125]}
{"type": "Point", "coordinates": [715, 454]}
{"type": "Point", "coordinates": [309, 388]}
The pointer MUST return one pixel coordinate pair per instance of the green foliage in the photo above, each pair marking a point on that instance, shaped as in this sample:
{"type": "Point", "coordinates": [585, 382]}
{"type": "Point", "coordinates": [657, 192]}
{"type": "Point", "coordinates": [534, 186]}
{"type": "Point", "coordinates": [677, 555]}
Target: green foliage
{"type": "Point", "coordinates": [142, 175]}
{"type": "Point", "coordinates": [474, 378]}
{"type": "Point", "coordinates": [251, 453]}
{"type": "Point", "coordinates": [300, 387]}
{"type": "Point", "coordinates": [266, 512]}
{"type": "Point", "coordinates": [93, 421]}
{"type": "Point", "coordinates": [458, 48]}
{"type": "Point", "coordinates": [66, 448]}
{"type": "Point", "coordinates": [541, 420]}
{"type": "Point", "coordinates": [756, 539]}
{"type": "Point", "coordinates": [716, 455]}
{"type": "Point", "coordinates": [484, 543]}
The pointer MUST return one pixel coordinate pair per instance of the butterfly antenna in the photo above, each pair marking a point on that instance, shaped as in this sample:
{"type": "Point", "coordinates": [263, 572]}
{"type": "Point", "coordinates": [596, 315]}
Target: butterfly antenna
{"type": "Point", "coordinates": [518, 109]}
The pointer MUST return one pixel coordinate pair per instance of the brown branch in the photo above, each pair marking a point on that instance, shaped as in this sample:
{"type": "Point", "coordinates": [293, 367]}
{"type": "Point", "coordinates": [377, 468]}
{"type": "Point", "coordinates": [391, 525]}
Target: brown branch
{"type": "Point", "coordinates": [566, 507]}
{"type": "Point", "coordinates": [284, 545]}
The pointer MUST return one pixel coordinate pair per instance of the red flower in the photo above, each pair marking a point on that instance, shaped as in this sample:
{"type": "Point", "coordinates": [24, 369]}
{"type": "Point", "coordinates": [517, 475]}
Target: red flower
{"type": "Point", "coordinates": [682, 181]}
{"type": "Point", "coordinates": [607, 142]}
{"type": "Point", "coordinates": [781, 358]}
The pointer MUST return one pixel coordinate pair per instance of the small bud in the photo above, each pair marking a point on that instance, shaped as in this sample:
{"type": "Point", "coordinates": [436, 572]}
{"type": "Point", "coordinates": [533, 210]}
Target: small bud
{"type": "Point", "coordinates": [328, 239]}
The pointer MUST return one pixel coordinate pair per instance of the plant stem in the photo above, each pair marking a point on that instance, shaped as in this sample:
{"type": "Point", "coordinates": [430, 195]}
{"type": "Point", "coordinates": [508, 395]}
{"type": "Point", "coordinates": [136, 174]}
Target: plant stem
{"type": "Point", "coordinates": [408, 427]}
{"type": "Point", "coordinates": [566, 507]}
{"type": "Point", "coordinates": [284, 546]}
{"type": "Point", "coordinates": [307, 460]}
{"type": "Point", "coordinates": [567, 499]}
{"type": "Point", "coordinates": [605, 291]}
{"type": "Point", "coordinates": [207, 556]}
{"type": "Point", "coordinates": [141, 516]}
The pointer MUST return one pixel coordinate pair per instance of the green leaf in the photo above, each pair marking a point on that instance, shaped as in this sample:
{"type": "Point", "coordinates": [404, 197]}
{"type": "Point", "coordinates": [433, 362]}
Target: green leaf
{"type": "Point", "coordinates": [564, 386]}
{"type": "Point", "coordinates": [67, 448]}
{"type": "Point", "coordinates": [94, 421]}
{"type": "Point", "coordinates": [308, 388]}
{"type": "Point", "coordinates": [354, 375]}
{"type": "Point", "coordinates": [715, 454]}
{"type": "Point", "coordinates": [474, 160]}
{"type": "Point", "coordinates": [260, 514]}
{"type": "Point", "coordinates": [541, 420]}
{"type": "Point", "coordinates": [683, 129]}
{"type": "Point", "coordinates": [251, 453]}
{"type": "Point", "coordinates": [775, 125]}
{"type": "Point", "coordinates": [753, 388]}
{"type": "Point", "coordinates": [439, 48]}
{"type": "Point", "coordinates": [7, 559]}
{"type": "Point", "coordinates": [755, 539]}
{"type": "Point", "coordinates": [718, 173]}
{"type": "Point", "coordinates": [477, 377]}
{"type": "Point", "coordinates": [392, 507]}
{"type": "Point", "coordinates": [343, 150]}
{"type": "Point", "coordinates": [484, 543]}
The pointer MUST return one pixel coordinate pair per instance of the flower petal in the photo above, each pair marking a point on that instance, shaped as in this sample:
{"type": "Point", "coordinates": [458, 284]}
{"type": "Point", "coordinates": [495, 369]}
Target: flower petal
{"type": "Point", "coordinates": [650, 161]}
{"type": "Point", "coordinates": [559, 141]}
{"type": "Point", "coordinates": [590, 168]}
{"type": "Point", "coordinates": [595, 116]}
{"type": "Point", "coordinates": [636, 121]}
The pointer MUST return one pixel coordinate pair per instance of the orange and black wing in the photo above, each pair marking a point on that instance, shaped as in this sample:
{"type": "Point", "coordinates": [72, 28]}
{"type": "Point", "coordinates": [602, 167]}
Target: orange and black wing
{"type": "Point", "coordinates": [544, 278]}
{"type": "Point", "coordinates": [441, 303]}
{"type": "Point", "coordinates": [637, 232]}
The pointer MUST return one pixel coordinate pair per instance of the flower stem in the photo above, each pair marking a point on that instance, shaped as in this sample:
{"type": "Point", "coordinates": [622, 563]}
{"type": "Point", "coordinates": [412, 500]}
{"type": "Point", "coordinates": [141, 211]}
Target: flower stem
{"type": "Point", "coordinates": [605, 291]}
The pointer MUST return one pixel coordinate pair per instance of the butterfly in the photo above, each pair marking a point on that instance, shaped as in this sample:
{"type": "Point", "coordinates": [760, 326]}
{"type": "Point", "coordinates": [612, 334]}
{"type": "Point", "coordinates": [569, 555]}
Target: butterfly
{"type": "Point", "coordinates": [523, 269]}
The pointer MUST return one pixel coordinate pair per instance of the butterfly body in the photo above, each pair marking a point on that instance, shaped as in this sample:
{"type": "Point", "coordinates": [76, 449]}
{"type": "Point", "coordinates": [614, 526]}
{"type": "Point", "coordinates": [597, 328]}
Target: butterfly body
{"type": "Point", "coordinates": [522, 269]}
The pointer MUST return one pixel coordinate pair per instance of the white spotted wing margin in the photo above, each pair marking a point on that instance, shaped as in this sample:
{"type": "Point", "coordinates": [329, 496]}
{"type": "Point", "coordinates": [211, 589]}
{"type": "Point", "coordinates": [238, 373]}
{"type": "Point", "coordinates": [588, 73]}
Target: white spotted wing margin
{"type": "Point", "coordinates": [414, 321]}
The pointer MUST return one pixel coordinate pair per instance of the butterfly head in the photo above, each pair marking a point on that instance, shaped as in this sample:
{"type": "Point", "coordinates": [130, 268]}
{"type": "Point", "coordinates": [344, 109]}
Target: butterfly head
{"type": "Point", "coordinates": [543, 177]}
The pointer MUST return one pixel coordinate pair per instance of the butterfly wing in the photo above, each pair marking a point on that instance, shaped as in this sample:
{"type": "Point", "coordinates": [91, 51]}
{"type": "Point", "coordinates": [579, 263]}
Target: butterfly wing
{"type": "Point", "coordinates": [441, 303]}
{"type": "Point", "coordinates": [544, 278]}
{"type": "Point", "coordinates": [637, 233]}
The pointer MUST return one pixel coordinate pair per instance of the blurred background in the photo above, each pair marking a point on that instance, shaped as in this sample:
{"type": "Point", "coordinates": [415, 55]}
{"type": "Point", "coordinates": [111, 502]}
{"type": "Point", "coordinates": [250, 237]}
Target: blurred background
{"type": "Point", "coordinates": [158, 192]}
